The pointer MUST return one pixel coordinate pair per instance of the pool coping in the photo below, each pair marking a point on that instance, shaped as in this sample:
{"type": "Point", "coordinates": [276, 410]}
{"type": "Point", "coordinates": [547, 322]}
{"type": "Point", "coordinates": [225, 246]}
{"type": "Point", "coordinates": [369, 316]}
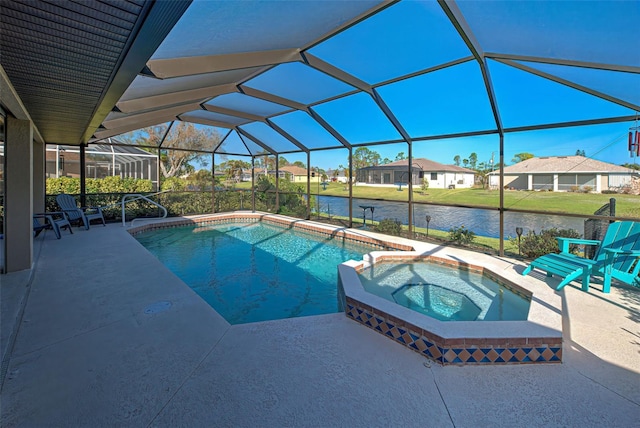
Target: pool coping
{"type": "Point", "coordinates": [536, 340]}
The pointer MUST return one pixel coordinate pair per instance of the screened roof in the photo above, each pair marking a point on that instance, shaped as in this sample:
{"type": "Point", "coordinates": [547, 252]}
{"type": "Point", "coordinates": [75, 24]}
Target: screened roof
{"type": "Point", "coordinates": [308, 75]}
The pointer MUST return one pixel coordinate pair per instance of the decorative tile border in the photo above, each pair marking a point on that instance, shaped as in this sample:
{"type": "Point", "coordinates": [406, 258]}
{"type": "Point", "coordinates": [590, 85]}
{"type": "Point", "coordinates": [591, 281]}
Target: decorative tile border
{"type": "Point", "coordinates": [452, 350]}
{"type": "Point", "coordinates": [467, 351]}
{"type": "Point", "coordinates": [288, 222]}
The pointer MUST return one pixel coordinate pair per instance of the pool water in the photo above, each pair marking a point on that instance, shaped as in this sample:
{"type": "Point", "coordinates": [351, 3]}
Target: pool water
{"type": "Point", "coordinates": [251, 272]}
{"type": "Point", "coordinates": [444, 293]}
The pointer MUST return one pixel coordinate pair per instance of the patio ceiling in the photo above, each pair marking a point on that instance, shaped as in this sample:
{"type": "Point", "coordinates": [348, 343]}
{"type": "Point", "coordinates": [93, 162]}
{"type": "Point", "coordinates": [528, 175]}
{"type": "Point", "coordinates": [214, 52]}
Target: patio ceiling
{"type": "Point", "coordinates": [281, 78]}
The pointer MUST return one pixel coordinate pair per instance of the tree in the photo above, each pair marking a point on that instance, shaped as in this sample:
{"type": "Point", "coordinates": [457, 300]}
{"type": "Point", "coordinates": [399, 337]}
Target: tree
{"type": "Point", "coordinates": [266, 162]}
{"type": "Point", "coordinates": [200, 180]}
{"type": "Point", "coordinates": [465, 162]}
{"type": "Point", "coordinates": [581, 153]}
{"type": "Point", "coordinates": [473, 159]}
{"type": "Point", "coordinates": [363, 157]}
{"type": "Point", "coordinates": [233, 169]}
{"type": "Point", "coordinates": [282, 161]}
{"type": "Point", "coordinates": [300, 164]}
{"type": "Point", "coordinates": [386, 161]}
{"type": "Point", "coordinates": [456, 160]}
{"type": "Point", "coordinates": [520, 157]}
{"type": "Point", "coordinates": [400, 156]}
{"type": "Point", "coordinates": [345, 170]}
{"type": "Point", "coordinates": [183, 135]}
{"type": "Point", "coordinates": [632, 166]}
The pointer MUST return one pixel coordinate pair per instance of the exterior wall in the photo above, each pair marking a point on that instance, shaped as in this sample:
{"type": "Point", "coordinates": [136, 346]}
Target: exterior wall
{"type": "Point", "coordinates": [457, 179]}
{"type": "Point", "coordinates": [614, 181]}
{"type": "Point", "coordinates": [518, 182]}
{"type": "Point", "coordinates": [303, 179]}
{"type": "Point", "coordinates": [440, 183]}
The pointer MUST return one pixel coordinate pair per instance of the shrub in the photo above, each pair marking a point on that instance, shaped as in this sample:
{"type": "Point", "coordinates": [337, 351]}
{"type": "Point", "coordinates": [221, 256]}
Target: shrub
{"type": "Point", "coordinates": [425, 185]}
{"type": "Point", "coordinates": [175, 184]}
{"type": "Point", "coordinates": [461, 235]}
{"type": "Point", "coordinates": [587, 189]}
{"type": "Point", "coordinates": [111, 184]}
{"type": "Point", "coordinates": [534, 245]}
{"type": "Point", "coordinates": [389, 226]}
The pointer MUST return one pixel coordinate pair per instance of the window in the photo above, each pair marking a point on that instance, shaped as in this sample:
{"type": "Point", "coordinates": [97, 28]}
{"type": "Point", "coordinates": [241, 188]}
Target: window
{"type": "Point", "coordinates": [434, 176]}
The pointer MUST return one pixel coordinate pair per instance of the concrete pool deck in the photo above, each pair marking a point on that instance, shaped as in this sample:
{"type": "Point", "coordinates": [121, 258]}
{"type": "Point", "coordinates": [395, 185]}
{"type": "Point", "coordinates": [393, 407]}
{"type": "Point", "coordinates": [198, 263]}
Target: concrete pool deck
{"type": "Point", "coordinates": [85, 353]}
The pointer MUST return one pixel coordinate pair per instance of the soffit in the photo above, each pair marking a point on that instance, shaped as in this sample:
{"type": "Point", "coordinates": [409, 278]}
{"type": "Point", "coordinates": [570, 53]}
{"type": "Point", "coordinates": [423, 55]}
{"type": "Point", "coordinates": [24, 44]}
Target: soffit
{"type": "Point", "coordinates": [67, 59]}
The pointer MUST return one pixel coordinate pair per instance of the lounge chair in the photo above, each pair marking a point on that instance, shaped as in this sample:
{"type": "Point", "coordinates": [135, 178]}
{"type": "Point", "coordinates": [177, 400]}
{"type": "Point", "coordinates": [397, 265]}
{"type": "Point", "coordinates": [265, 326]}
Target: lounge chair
{"type": "Point", "coordinates": [55, 221]}
{"type": "Point", "coordinates": [617, 256]}
{"type": "Point", "coordinates": [75, 214]}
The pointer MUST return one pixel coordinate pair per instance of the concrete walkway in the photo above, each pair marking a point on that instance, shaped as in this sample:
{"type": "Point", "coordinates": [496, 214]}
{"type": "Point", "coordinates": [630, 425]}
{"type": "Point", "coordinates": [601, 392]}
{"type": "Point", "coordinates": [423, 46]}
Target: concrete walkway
{"type": "Point", "coordinates": [96, 345]}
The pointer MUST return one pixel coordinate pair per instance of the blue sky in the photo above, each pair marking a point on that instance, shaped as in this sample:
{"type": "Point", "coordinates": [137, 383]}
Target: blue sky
{"type": "Point", "coordinates": [415, 35]}
{"type": "Point", "coordinates": [454, 99]}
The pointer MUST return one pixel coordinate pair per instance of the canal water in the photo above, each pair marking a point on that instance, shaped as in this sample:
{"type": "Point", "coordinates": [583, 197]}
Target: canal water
{"type": "Point", "coordinates": [481, 222]}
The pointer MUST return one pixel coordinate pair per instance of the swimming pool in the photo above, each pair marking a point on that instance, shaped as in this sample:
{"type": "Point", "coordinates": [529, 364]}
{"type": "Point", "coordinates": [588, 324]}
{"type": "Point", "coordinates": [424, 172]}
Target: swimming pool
{"type": "Point", "coordinates": [536, 340]}
{"type": "Point", "coordinates": [444, 293]}
{"type": "Point", "coordinates": [255, 271]}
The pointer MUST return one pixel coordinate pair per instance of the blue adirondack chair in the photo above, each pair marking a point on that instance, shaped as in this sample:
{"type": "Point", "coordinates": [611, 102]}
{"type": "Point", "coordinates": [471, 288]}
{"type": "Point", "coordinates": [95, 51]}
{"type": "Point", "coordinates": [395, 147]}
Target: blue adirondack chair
{"type": "Point", "coordinates": [55, 221]}
{"type": "Point", "coordinates": [617, 256]}
{"type": "Point", "coordinates": [68, 204]}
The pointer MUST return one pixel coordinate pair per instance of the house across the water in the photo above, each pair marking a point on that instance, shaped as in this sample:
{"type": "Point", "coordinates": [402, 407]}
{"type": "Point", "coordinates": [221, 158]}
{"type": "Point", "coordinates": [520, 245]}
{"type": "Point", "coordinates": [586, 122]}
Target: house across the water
{"type": "Point", "coordinates": [438, 175]}
{"type": "Point", "coordinates": [564, 173]}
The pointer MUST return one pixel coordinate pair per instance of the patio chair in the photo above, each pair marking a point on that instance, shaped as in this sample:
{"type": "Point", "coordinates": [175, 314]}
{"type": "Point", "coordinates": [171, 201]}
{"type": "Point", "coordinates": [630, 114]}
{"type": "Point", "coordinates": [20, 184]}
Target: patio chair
{"type": "Point", "coordinates": [38, 227]}
{"type": "Point", "coordinates": [69, 206]}
{"type": "Point", "coordinates": [55, 221]}
{"type": "Point", "coordinates": [617, 256]}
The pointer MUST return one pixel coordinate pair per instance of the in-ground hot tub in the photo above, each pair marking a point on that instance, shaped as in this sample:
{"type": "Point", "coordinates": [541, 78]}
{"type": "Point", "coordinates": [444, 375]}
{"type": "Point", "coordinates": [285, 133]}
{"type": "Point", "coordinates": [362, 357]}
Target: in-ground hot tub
{"type": "Point", "coordinates": [526, 337]}
{"type": "Point", "coordinates": [445, 293]}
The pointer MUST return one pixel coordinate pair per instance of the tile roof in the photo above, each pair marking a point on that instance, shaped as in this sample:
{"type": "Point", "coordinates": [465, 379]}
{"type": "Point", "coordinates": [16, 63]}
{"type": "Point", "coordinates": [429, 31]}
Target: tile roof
{"type": "Point", "coordinates": [294, 169]}
{"type": "Point", "coordinates": [562, 164]}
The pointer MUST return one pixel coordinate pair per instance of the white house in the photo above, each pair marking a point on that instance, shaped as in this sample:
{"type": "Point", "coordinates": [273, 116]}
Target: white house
{"type": "Point", "coordinates": [564, 173]}
{"type": "Point", "coordinates": [438, 175]}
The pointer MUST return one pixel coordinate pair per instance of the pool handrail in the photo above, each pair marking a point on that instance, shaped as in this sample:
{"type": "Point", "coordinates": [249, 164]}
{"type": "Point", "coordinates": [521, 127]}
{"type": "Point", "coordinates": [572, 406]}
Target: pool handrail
{"type": "Point", "coordinates": [136, 196]}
